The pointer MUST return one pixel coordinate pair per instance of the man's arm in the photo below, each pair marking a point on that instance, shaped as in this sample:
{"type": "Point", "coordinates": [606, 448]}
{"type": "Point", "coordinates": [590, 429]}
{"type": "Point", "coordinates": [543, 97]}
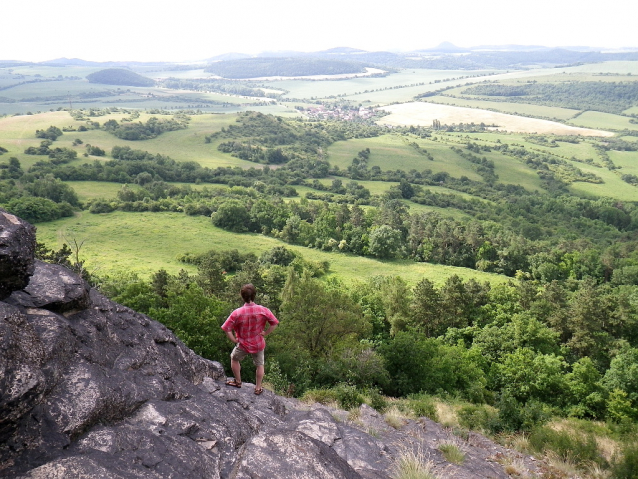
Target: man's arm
{"type": "Point", "coordinates": [231, 336]}
{"type": "Point", "coordinates": [271, 328]}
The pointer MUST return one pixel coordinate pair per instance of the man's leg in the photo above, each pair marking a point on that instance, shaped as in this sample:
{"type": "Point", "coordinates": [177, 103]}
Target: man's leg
{"type": "Point", "coordinates": [259, 376]}
{"type": "Point", "coordinates": [236, 367]}
{"type": "Point", "coordinates": [258, 361]}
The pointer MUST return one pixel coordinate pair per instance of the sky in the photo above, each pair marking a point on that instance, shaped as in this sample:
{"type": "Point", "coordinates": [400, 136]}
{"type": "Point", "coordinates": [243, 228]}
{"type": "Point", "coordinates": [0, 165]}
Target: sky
{"type": "Point", "coordinates": [192, 30]}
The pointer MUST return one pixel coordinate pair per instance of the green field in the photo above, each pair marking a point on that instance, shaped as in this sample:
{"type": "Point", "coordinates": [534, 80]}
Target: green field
{"type": "Point", "coordinates": [596, 119]}
{"type": "Point", "coordinates": [391, 152]}
{"type": "Point", "coordinates": [538, 111]}
{"type": "Point", "coordinates": [146, 242]}
{"type": "Point", "coordinates": [616, 67]}
{"type": "Point", "coordinates": [612, 187]}
{"type": "Point", "coordinates": [626, 160]}
{"type": "Point", "coordinates": [355, 86]}
{"type": "Point", "coordinates": [18, 133]}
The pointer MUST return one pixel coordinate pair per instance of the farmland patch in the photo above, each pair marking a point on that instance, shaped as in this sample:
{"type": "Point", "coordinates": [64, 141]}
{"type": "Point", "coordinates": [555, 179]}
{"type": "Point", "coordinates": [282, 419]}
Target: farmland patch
{"type": "Point", "coordinates": [421, 113]}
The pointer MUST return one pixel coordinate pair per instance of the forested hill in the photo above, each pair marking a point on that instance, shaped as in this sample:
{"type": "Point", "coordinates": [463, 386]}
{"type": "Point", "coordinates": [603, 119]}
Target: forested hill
{"type": "Point", "coordinates": [298, 66]}
{"type": "Point", "coordinates": [119, 76]}
{"type": "Point", "coordinates": [610, 97]}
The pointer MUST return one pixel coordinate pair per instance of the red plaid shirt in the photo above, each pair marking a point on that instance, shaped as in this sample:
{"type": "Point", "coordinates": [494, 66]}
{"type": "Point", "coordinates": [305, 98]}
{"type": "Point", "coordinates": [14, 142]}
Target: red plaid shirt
{"type": "Point", "coordinates": [248, 322]}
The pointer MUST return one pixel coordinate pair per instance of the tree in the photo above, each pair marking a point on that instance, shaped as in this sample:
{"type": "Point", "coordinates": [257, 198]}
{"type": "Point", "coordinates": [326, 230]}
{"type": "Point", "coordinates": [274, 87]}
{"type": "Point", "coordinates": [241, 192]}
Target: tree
{"type": "Point", "coordinates": [425, 307]}
{"type": "Point", "coordinates": [232, 215]}
{"type": "Point", "coordinates": [385, 242]}
{"type": "Point", "coordinates": [195, 318]}
{"type": "Point", "coordinates": [407, 191]}
{"type": "Point", "coordinates": [526, 375]}
{"type": "Point", "coordinates": [623, 374]}
{"type": "Point", "coordinates": [319, 319]}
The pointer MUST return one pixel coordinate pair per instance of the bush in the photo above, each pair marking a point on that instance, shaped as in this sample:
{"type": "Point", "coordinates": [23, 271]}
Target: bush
{"type": "Point", "coordinates": [567, 445]}
{"type": "Point", "coordinates": [348, 396]}
{"type": "Point", "coordinates": [423, 406]}
{"type": "Point", "coordinates": [376, 400]}
{"type": "Point", "coordinates": [277, 378]}
{"type": "Point", "coordinates": [322, 396]}
{"type": "Point", "coordinates": [36, 210]}
{"type": "Point", "coordinates": [452, 453]}
{"type": "Point", "coordinates": [101, 206]}
{"type": "Point", "coordinates": [514, 416]}
{"type": "Point", "coordinates": [477, 417]}
{"type": "Point", "coordinates": [626, 466]}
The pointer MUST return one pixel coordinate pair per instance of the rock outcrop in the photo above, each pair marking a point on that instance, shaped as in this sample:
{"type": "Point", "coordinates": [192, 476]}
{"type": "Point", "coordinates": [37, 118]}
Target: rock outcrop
{"type": "Point", "coordinates": [17, 247]}
{"type": "Point", "coordinates": [90, 388]}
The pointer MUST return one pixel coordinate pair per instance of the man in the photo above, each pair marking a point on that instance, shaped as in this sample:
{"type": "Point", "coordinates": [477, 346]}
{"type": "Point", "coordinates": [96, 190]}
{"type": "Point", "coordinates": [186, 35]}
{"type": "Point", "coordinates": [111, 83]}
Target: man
{"type": "Point", "coordinates": [248, 323]}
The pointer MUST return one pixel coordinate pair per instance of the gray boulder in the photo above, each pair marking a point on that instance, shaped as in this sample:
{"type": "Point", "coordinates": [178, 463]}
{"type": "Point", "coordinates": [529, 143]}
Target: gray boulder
{"type": "Point", "coordinates": [17, 246]}
{"type": "Point", "coordinates": [53, 287]}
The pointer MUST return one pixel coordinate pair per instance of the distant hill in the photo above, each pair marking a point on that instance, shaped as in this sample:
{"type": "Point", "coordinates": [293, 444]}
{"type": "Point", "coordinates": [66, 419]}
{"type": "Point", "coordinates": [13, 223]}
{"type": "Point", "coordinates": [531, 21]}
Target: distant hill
{"type": "Point", "coordinates": [298, 66]}
{"type": "Point", "coordinates": [446, 47]}
{"type": "Point", "coordinates": [71, 62]}
{"type": "Point", "coordinates": [227, 56]}
{"type": "Point", "coordinates": [119, 76]}
{"type": "Point", "coordinates": [342, 50]}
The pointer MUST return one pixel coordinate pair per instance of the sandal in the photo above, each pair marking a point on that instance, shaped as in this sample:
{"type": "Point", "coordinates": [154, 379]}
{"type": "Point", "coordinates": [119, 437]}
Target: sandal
{"type": "Point", "coordinates": [259, 391]}
{"type": "Point", "coordinates": [233, 383]}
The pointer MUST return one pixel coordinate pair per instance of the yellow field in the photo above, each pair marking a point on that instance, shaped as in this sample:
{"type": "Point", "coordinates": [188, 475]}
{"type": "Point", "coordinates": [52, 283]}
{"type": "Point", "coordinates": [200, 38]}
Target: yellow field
{"type": "Point", "coordinates": [421, 113]}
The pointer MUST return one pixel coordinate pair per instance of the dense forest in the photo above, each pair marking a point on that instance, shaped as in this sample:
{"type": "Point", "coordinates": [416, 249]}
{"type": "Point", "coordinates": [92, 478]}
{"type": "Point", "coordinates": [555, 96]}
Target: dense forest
{"type": "Point", "coordinates": [610, 97]}
{"type": "Point", "coordinates": [243, 88]}
{"type": "Point", "coordinates": [119, 76]}
{"type": "Point", "coordinates": [297, 66]}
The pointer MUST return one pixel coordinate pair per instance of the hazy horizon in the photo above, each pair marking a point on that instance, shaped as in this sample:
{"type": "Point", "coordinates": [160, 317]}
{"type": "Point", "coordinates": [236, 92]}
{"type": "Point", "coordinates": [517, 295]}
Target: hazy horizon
{"type": "Point", "coordinates": [147, 31]}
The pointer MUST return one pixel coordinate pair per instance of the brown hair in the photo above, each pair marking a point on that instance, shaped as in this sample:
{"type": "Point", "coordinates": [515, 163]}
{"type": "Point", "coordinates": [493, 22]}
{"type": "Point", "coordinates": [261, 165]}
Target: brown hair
{"type": "Point", "coordinates": [248, 293]}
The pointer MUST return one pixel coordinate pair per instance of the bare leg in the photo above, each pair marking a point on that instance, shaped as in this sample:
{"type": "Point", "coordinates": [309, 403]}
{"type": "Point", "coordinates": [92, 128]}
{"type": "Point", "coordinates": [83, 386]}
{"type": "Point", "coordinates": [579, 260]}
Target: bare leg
{"type": "Point", "coordinates": [259, 373]}
{"type": "Point", "coordinates": [236, 367]}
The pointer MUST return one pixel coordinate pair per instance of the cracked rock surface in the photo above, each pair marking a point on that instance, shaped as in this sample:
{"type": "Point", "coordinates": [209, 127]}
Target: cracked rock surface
{"type": "Point", "coordinates": [90, 388]}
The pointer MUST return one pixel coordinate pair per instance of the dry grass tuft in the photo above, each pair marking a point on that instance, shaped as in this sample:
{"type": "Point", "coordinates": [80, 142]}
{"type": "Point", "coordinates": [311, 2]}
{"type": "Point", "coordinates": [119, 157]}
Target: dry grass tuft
{"type": "Point", "coordinates": [519, 442]}
{"type": "Point", "coordinates": [563, 465]}
{"type": "Point", "coordinates": [395, 418]}
{"type": "Point", "coordinates": [411, 465]}
{"type": "Point", "coordinates": [452, 453]}
{"type": "Point", "coordinates": [446, 415]}
{"type": "Point", "coordinates": [607, 447]}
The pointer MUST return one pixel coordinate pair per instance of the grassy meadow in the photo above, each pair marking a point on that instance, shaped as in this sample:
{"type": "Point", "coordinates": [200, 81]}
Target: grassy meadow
{"type": "Point", "coordinates": [597, 119]}
{"type": "Point", "coordinates": [540, 111]}
{"type": "Point", "coordinates": [146, 242]}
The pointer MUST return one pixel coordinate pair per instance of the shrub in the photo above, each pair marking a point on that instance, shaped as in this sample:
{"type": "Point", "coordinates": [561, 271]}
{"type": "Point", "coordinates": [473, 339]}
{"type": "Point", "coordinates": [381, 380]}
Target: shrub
{"type": "Point", "coordinates": [394, 417]}
{"type": "Point", "coordinates": [626, 466]}
{"type": "Point", "coordinates": [348, 396]}
{"type": "Point", "coordinates": [376, 400]}
{"type": "Point", "coordinates": [477, 417]}
{"type": "Point", "coordinates": [101, 206]}
{"type": "Point", "coordinates": [277, 378]}
{"type": "Point", "coordinates": [566, 445]}
{"type": "Point", "coordinates": [423, 406]}
{"type": "Point", "coordinates": [322, 396]}
{"type": "Point", "coordinates": [452, 453]}
{"type": "Point", "coordinates": [36, 210]}
{"type": "Point", "coordinates": [514, 416]}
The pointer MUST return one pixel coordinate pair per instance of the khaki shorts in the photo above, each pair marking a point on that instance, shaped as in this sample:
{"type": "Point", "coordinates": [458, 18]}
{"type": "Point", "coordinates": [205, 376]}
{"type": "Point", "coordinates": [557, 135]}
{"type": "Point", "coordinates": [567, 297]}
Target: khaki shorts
{"type": "Point", "coordinates": [239, 354]}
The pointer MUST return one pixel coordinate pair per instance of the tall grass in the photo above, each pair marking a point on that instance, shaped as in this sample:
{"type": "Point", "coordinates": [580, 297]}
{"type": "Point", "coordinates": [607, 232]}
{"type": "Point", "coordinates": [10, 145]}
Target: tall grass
{"type": "Point", "coordinates": [413, 465]}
